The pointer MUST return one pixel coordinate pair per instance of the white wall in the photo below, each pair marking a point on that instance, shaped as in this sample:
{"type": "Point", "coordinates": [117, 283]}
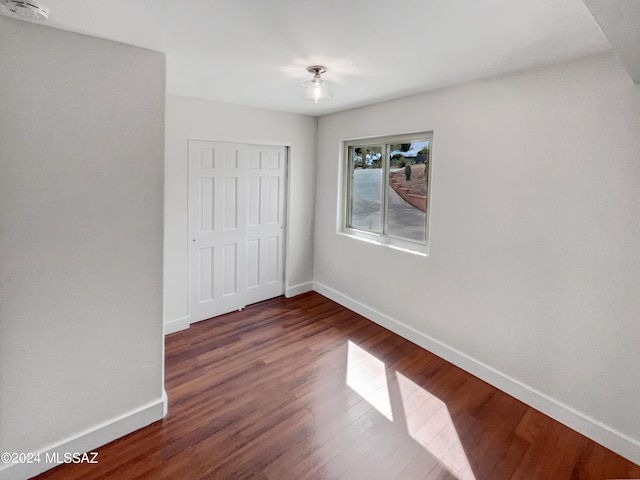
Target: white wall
{"type": "Point", "coordinates": [191, 118]}
{"type": "Point", "coordinates": [534, 269]}
{"type": "Point", "coordinates": [81, 167]}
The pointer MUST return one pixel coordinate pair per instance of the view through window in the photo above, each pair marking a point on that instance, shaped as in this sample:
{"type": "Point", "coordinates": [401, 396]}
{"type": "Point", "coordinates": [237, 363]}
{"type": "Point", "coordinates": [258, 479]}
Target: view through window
{"type": "Point", "coordinates": [388, 187]}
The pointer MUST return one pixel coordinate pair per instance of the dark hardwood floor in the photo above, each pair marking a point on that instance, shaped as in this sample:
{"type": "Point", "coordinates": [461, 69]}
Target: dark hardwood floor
{"type": "Point", "coordinates": [302, 388]}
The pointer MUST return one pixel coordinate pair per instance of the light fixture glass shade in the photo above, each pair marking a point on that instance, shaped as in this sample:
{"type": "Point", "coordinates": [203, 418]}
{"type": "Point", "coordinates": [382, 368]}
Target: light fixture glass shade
{"type": "Point", "coordinates": [316, 89]}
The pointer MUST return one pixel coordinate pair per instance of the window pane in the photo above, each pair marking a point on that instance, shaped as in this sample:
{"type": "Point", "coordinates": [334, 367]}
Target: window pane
{"type": "Point", "coordinates": [408, 182]}
{"type": "Point", "coordinates": [366, 188]}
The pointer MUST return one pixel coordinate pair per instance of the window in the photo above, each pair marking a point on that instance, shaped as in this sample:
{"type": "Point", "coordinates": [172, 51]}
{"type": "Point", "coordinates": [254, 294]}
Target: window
{"type": "Point", "coordinates": [387, 189]}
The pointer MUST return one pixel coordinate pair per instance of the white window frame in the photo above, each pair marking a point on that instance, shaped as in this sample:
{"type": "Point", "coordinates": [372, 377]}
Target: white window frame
{"type": "Point", "coordinates": [383, 238]}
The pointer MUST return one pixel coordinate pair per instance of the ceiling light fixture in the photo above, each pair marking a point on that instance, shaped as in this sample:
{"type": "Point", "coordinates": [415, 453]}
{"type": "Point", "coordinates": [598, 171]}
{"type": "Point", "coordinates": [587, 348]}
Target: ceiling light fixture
{"type": "Point", "coordinates": [316, 90]}
{"type": "Point", "coordinates": [30, 10]}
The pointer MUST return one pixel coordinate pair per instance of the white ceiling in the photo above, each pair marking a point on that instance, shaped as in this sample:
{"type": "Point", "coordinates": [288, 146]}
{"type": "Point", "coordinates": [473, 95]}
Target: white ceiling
{"type": "Point", "coordinates": [255, 52]}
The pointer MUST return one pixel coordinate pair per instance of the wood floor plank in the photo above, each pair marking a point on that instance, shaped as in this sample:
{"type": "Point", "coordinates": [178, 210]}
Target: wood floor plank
{"type": "Point", "coordinates": [303, 388]}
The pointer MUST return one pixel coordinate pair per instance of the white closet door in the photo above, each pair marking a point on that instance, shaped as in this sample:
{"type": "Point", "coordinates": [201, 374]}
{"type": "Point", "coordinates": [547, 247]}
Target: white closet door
{"type": "Point", "coordinates": [236, 209]}
{"type": "Point", "coordinates": [265, 222]}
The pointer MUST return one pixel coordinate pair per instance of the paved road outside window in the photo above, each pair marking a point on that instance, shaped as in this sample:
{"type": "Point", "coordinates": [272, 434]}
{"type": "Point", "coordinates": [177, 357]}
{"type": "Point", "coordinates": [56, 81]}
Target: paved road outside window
{"type": "Point", "coordinates": [403, 220]}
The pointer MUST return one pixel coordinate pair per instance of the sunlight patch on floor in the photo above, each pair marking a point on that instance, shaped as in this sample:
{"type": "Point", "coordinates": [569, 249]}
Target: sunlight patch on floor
{"type": "Point", "coordinates": [430, 424]}
{"type": "Point", "coordinates": [424, 416]}
{"type": "Point", "coordinates": [366, 375]}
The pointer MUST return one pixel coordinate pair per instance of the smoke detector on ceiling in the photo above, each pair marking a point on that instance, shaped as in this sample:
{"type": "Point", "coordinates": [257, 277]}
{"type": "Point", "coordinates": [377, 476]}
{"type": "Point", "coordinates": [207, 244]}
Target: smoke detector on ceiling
{"type": "Point", "coordinates": [30, 10]}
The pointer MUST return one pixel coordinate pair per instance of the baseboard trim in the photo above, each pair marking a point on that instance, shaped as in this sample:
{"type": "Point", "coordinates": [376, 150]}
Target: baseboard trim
{"type": "Point", "coordinates": [298, 289]}
{"type": "Point", "coordinates": [593, 429]}
{"type": "Point", "coordinates": [165, 403]}
{"type": "Point", "coordinates": [173, 326]}
{"type": "Point", "coordinates": [87, 441]}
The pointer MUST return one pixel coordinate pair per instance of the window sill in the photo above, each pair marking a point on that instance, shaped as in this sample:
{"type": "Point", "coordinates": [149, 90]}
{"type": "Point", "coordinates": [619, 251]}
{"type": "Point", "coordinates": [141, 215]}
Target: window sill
{"type": "Point", "coordinates": [389, 242]}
